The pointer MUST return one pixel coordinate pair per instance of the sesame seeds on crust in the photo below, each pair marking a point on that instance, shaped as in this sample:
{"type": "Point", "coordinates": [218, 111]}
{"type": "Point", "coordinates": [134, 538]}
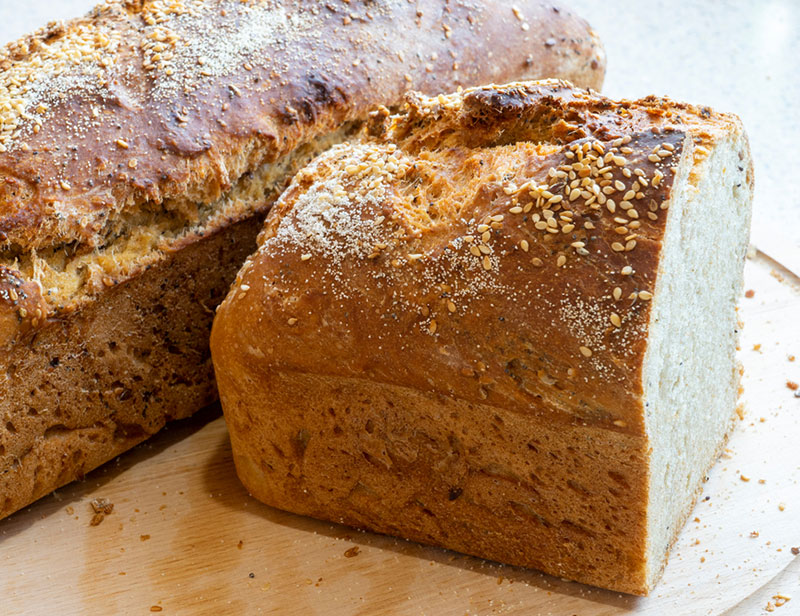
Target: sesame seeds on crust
{"type": "Point", "coordinates": [470, 250]}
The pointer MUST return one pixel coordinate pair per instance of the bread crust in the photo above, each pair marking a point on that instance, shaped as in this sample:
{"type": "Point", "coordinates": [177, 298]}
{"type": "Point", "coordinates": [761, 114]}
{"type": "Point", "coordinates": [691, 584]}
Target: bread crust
{"type": "Point", "coordinates": [457, 265]}
{"type": "Point", "coordinates": [90, 386]}
{"type": "Point", "coordinates": [132, 135]}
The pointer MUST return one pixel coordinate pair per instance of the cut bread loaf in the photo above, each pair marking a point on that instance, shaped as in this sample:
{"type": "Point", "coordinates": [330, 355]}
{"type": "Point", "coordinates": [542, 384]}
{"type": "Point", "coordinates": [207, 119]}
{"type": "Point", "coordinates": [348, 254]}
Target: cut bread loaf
{"type": "Point", "coordinates": [503, 323]}
{"type": "Point", "coordinates": [140, 148]}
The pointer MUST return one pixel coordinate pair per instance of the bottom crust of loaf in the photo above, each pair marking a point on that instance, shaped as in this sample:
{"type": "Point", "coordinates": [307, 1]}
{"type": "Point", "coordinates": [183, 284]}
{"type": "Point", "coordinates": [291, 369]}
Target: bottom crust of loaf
{"type": "Point", "coordinates": [567, 499]}
{"type": "Point", "coordinates": [106, 377]}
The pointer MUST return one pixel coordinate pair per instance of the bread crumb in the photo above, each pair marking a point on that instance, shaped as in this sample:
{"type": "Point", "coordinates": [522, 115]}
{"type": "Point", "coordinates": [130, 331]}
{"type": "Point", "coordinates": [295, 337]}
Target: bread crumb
{"type": "Point", "coordinates": [791, 385]}
{"type": "Point", "coordinates": [743, 478]}
{"type": "Point", "coordinates": [749, 293]}
{"type": "Point", "coordinates": [795, 551]}
{"type": "Point", "coordinates": [101, 507]}
{"type": "Point", "coordinates": [354, 551]}
{"type": "Point", "coordinates": [144, 537]}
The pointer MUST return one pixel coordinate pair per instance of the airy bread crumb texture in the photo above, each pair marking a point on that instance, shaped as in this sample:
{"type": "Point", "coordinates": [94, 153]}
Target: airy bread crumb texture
{"type": "Point", "coordinates": [497, 270]}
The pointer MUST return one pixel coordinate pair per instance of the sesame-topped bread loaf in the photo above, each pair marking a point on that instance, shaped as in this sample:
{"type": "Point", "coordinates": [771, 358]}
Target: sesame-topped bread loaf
{"type": "Point", "coordinates": [503, 323]}
{"type": "Point", "coordinates": [141, 146]}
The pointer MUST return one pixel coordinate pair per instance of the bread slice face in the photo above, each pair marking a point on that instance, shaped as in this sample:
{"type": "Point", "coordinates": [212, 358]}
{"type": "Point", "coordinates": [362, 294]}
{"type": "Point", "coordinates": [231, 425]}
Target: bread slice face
{"type": "Point", "coordinates": [469, 329]}
{"type": "Point", "coordinates": [690, 373]}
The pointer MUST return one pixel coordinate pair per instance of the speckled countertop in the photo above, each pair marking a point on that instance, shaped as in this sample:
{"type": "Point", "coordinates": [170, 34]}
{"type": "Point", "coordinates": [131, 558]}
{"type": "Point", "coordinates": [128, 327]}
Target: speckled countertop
{"type": "Point", "coordinates": [734, 55]}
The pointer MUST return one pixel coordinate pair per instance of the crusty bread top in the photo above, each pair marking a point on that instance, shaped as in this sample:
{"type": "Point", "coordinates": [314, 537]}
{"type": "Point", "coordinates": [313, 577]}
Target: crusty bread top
{"type": "Point", "coordinates": [499, 244]}
{"type": "Point", "coordinates": [154, 100]}
{"type": "Point", "coordinates": [138, 117]}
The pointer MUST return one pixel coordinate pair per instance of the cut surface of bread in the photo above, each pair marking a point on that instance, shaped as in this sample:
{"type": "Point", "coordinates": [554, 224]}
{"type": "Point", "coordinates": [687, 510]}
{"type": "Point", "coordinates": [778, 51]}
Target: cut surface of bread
{"type": "Point", "coordinates": [504, 323]}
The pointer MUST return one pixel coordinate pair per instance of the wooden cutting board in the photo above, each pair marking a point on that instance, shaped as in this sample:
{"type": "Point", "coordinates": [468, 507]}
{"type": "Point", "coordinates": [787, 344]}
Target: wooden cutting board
{"type": "Point", "coordinates": [184, 537]}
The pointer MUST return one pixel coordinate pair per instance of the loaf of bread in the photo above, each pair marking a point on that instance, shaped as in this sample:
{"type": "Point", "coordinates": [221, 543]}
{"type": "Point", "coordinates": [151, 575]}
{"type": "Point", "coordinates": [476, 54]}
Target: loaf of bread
{"type": "Point", "coordinates": [140, 148]}
{"type": "Point", "coordinates": [503, 323]}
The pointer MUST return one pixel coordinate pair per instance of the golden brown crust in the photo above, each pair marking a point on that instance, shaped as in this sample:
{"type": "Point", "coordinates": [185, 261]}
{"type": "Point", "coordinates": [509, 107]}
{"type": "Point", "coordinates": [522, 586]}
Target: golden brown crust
{"type": "Point", "coordinates": [130, 136]}
{"type": "Point", "coordinates": [232, 88]}
{"type": "Point", "coordinates": [437, 180]}
{"type": "Point", "coordinates": [443, 471]}
{"type": "Point", "coordinates": [484, 262]}
{"type": "Point", "coordinates": [91, 385]}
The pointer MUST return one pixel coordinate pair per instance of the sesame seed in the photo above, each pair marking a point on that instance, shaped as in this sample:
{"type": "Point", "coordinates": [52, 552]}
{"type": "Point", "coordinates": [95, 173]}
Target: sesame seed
{"type": "Point", "coordinates": [432, 327]}
{"type": "Point", "coordinates": [627, 270]}
{"type": "Point", "coordinates": [487, 263]}
{"type": "Point", "coordinates": [567, 228]}
{"type": "Point", "coordinates": [516, 210]}
{"type": "Point", "coordinates": [645, 295]}
{"type": "Point", "coordinates": [292, 321]}
{"type": "Point", "coordinates": [561, 261]}
{"type": "Point", "coordinates": [537, 262]}
{"type": "Point", "coordinates": [485, 249]}
{"type": "Point", "coordinates": [475, 251]}
{"type": "Point", "coordinates": [615, 320]}
{"type": "Point", "coordinates": [414, 256]}
{"type": "Point", "coordinates": [305, 257]}
{"type": "Point", "coordinates": [451, 306]}
{"type": "Point", "coordinates": [630, 245]}
{"type": "Point", "coordinates": [586, 351]}
{"type": "Point", "coordinates": [65, 185]}
{"type": "Point", "coordinates": [617, 293]}
{"type": "Point", "coordinates": [654, 158]}
{"type": "Point", "coordinates": [524, 245]}
{"type": "Point", "coordinates": [619, 423]}
{"type": "Point", "coordinates": [617, 247]}
{"type": "Point", "coordinates": [123, 144]}
{"type": "Point", "coordinates": [619, 161]}
{"type": "Point", "coordinates": [577, 244]}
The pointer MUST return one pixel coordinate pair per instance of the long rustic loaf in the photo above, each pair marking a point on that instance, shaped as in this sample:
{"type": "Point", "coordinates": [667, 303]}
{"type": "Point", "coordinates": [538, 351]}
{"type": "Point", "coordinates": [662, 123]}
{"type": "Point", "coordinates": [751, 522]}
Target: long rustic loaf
{"type": "Point", "coordinates": [140, 147]}
{"type": "Point", "coordinates": [504, 324]}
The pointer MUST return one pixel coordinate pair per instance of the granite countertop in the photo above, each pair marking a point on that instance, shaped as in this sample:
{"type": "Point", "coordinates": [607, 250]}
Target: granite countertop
{"type": "Point", "coordinates": [733, 55]}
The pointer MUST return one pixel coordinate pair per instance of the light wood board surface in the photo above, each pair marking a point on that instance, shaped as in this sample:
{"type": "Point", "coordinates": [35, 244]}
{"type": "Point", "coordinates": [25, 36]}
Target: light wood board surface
{"type": "Point", "coordinates": [185, 536]}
